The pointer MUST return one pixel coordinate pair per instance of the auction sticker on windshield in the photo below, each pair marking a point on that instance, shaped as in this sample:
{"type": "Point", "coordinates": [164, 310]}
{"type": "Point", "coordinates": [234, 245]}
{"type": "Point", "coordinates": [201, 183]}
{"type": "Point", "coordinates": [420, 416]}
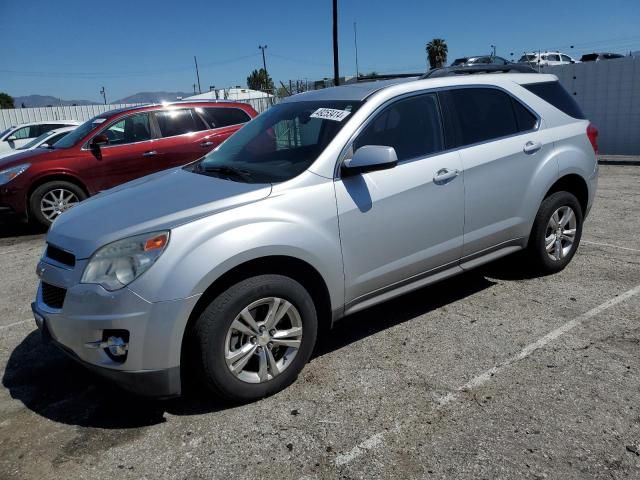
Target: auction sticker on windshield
{"type": "Point", "coordinates": [330, 114]}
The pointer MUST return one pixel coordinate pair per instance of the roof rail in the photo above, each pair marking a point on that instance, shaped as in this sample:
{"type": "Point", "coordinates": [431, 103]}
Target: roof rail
{"type": "Point", "coordinates": [384, 76]}
{"type": "Point", "coordinates": [473, 69]}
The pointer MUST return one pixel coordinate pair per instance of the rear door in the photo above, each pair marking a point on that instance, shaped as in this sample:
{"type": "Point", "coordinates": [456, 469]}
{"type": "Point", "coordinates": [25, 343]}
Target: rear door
{"type": "Point", "coordinates": [183, 137]}
{"type": "Point", "coordinates": [501, 148]}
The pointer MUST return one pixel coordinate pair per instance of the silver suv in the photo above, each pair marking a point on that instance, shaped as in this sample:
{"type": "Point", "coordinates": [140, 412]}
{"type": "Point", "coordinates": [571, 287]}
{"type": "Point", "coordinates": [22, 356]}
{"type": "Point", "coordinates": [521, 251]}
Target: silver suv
{"type": "Point", "coordinates": [326, 204]}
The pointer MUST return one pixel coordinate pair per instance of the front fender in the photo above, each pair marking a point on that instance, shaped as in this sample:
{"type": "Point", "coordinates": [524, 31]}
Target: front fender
{"type": "Point", "coordinates": [301, 224]}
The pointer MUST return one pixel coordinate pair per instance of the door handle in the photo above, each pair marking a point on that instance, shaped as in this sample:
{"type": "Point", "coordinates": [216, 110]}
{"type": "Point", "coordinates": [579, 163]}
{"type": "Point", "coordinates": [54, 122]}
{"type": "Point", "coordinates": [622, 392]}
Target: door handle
{"type": "Point", "coordinates": [531, 147]}
{"type": "Point", "coordinates": [206, 144]}
{"type": "Point", "coordinates": [445, 175]}
{"type": "Point", "coordinates": [150, 153]}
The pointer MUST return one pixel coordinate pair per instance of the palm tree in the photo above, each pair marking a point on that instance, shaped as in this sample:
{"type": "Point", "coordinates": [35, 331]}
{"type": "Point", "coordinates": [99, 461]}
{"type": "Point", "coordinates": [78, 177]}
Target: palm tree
{"type": "Point", "coordinates": [437, 52]}
{"type": "Point", "coordinates": [259, 80]}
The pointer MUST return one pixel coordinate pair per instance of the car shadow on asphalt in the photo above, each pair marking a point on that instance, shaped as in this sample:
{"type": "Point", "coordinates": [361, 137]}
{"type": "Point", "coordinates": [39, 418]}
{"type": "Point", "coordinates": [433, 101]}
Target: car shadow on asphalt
{"type": "Point", "coordinates": [12, 227]}
{"type": "Point", "coordinates": [50, 384]}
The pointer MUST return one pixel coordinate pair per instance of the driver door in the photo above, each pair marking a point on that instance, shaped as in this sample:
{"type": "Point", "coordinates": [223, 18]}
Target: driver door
{"type": "Point", "coordinates": [401, 224]}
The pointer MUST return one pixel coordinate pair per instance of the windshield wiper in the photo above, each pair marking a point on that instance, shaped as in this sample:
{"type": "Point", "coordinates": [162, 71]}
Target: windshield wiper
{"type": "Point", "coordinates": [228, 171]}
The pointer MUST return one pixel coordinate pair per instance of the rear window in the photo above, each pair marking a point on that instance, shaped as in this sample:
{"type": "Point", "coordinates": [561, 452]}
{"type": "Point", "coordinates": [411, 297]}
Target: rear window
{"type": "Point", "coordinates": [479, 114]}
{"type": "Point", "coordinates": [217, 117]}
{"type": "Point", "coordinates": [556, 95]}
{"type": "Point", "coordinates": [175, 122]}
{"type": "Point", "coordinates": [589, 58]}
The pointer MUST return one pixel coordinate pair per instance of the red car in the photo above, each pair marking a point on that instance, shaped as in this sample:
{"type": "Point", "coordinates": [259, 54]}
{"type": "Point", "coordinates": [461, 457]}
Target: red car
{"type": "Point", "coordinates": [111, 149]}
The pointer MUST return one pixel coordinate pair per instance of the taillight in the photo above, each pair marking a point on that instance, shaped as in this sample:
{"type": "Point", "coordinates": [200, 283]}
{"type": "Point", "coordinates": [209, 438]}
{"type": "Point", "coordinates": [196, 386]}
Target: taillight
{"type": "Point", "coordinates": [592, 133]}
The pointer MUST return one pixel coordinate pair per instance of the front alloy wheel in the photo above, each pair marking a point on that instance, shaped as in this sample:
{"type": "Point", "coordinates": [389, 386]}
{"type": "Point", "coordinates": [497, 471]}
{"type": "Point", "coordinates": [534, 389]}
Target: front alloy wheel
{"type": "Point", "coordinates": [263, 340]}
{"type": "Point", "coordinates": [254, 338]}
{"type": "Point", "coordinates": [56, 201]}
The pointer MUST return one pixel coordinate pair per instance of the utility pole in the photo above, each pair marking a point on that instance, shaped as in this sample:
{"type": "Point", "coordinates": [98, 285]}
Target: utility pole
{"type": "Point", "coordinates": [264, 65]}
{"type": "Point", "coordinates": [197, 74]}
{"type": "Point", "coordinates": [493, 51]}
{"type": "Point", "coordinates": [104, 95]}
{"type": "Point", "coordinates": [355, 40]}
{"type": "Point", "coordinates": [336, 68]}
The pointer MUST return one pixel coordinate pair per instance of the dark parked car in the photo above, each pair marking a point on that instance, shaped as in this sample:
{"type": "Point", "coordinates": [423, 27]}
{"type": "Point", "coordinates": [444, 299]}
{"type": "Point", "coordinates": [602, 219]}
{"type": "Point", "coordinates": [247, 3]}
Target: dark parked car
{"type": "Point", "coordinates": [111, 149]}
{"type": "Point", "coordinates": [596, 57]}
{"type": "Point", "coordinates": [481, 59]}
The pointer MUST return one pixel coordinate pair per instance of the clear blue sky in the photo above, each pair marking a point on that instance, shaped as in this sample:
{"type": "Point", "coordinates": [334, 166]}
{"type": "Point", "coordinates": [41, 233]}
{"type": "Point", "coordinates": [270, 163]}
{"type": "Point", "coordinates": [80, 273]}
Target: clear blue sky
{"type": "Point", "coordinates": [71, 48]}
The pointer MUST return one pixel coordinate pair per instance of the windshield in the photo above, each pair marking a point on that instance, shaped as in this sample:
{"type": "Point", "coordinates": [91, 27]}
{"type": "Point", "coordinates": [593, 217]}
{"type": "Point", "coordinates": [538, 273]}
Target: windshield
{"type": "Point", "coordinates": [527, 58]}
{"type": "Point", "coordinates": [79, 133]}
{"type": "Point", "coordinates": [34, 143]}
{"type": "Point", "coordinates": [279, 144]}
{"type": "Point", "coordinates": [4, 132]}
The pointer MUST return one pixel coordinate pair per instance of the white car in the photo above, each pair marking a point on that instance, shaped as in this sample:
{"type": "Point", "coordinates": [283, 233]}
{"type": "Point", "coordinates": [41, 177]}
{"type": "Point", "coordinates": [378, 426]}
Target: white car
{"type": "Point", "coordinates": [547, 59]}
{"type": "Point", "coordinates": [14, 137]}
{"type": "Point", "coordinates": [45, 140]}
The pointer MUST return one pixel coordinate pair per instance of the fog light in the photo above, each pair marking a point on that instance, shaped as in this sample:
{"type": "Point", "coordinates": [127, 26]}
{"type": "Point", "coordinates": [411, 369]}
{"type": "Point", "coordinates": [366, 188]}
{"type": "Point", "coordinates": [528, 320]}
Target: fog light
{"type": "Point", "coordinates": [116, 346]}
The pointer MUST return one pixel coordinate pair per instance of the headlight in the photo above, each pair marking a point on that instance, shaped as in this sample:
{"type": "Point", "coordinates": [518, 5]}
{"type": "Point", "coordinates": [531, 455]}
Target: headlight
{"type": "Point", "coordinates": [117, 264]}
{"type": "Point", "coordinates": [10, 173]}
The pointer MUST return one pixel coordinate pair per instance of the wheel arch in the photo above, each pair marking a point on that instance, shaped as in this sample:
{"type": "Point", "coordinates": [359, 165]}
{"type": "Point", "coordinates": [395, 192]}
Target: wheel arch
{"type": "Point", "coordinates": [295, 268]}
{"type": "Point", "coordinates": [63, 177]}
{"type": "Point", "coordinates": [574, 184]}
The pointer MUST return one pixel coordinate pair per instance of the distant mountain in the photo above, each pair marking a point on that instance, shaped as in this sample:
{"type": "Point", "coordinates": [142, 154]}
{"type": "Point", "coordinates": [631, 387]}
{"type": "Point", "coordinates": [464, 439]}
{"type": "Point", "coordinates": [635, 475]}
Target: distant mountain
{"type": "Point", "coordinates": [152, 97]}
{"type": "Point", "coordinates": [46, 100]}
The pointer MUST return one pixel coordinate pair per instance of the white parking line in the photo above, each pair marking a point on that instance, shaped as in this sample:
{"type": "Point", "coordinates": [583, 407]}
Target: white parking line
{"type": "Point", "coordinates": [2, 327]}
{"type": "Point", "coordinates": [378, 439]}
{"type": "Point", "coordinates": [610, 246]}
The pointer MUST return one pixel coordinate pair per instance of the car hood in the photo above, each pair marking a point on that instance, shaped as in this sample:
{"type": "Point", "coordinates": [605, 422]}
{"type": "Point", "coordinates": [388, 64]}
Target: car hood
{"type": "Point", "coordinates": [12, 158]}
{"type": "Point", "coordinates": [157, 202]}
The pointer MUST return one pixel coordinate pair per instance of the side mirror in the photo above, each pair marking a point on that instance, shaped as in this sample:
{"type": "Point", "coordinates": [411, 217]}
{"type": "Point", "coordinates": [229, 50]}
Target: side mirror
{"type": "Point", "coordinates": [370, 158]}
{"type": "Point", "coordinates": [44, 145]}
{"type": "Point", "coordinates": [99, 140]}
{"type": "Point", "coordinates": [12, 138]}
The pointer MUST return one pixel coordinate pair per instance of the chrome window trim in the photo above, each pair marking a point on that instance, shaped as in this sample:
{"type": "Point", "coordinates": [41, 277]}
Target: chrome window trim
{"type": "Point", "coordinates": [347, 148]}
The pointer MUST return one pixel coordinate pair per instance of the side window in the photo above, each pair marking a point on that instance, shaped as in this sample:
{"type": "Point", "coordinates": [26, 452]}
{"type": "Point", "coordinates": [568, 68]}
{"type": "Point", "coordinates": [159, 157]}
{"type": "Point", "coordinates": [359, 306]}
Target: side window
{"type": "Point", "coordinates": [553, 58]}
{"type": "Point", "coordinates": [412, 126]}
{"type": "Point", "coordinates": [25, 132]}
{"type": "Point", "coordinates": [479, 114]}
{"type": "Point", "coordinates": [217, 117]}
{"type": "Point", "coordinates": [525, 119]}
{"type": "Point", "coordinates": [131, 129]}
{"type": "Point", "coordinates": [566, 58]}
{"type": "Point", "coordinates": [556, 95]}
{"type": "Point", "coordinates": [178, 122]}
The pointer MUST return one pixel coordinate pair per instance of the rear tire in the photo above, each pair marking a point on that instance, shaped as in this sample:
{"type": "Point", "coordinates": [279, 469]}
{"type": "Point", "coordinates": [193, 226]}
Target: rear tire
{"type": "Point", "coordinates": [237, 358]}
{"type": "Point", "coordinates": [50, 199]}
{"type": "Point", "coordinates": [556, 233]}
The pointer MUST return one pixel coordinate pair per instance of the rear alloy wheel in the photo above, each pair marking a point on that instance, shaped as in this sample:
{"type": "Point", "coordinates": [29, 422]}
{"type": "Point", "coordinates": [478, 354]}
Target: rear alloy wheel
{"type": "Point", "coordinates": [254, 338]}
{"type": "Point", "coordinates": [50, 200]}
{"type": "Point", "coordinates": [556, 232]}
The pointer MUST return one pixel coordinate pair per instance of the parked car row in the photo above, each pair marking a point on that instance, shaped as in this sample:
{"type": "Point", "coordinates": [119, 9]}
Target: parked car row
{"type": "Point", "coordinates": [542, 59]}
{"type": "Point", "coordinates": [17, 136]}
{"type": "Point", "coordinates": [110, 149]}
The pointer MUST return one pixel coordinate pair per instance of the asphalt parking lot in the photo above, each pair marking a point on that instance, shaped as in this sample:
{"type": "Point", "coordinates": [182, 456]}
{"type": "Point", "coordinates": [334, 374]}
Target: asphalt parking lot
{"type": "Point", "coordinates": [489, 375]}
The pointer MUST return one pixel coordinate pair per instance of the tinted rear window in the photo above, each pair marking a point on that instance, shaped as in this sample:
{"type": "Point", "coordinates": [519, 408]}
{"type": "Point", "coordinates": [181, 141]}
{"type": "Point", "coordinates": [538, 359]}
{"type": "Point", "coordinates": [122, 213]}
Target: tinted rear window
{"type": "Point", "coordinates": [556, 95]}
{"type": "Point", "coordinates": [217, 117]}
{"type": "Point", "coordinates": [178, 122]}
{"type": "Point", "coordinates": [589, 58]}
{"type": "Point", "coordinates": [479, 114]}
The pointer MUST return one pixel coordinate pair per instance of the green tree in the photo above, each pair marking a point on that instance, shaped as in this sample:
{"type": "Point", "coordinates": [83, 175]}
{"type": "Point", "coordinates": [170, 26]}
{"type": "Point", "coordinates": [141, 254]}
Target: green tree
{"type": "Point", "coordinates": [437, 52]}
{"type": "Point", "coordinates": [260, 80]}
{"type": "Point", "coordinates": [6, 100]}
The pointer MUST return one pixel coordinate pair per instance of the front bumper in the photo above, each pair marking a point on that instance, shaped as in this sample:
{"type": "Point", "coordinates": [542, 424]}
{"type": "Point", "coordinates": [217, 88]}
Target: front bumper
{"type": "Point", "coordinates": [13, 200]}
{"type": "Point", "coordinates": [152, 363]}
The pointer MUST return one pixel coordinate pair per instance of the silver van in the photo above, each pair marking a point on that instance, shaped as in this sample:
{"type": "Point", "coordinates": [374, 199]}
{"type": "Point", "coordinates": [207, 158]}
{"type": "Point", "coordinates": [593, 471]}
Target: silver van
{"type": "Point", "coordinates": [326, 204]}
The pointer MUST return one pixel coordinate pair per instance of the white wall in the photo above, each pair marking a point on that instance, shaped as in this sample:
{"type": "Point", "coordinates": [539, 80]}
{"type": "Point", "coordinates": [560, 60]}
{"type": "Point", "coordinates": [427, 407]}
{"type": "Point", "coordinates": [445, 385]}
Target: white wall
{"type": "Point", "coordinates": [15, 116]}
{"type": "Point", "coordinates": [609, 94]}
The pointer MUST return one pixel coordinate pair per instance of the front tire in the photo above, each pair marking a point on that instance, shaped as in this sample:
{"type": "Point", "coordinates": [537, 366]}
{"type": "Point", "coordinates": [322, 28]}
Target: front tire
{"type": "Point", "coordinates": [254, 338]}
{"type": "Point", "coordinates": [51, 199]}
{"type": "Point", "coordinates": [556, 232]}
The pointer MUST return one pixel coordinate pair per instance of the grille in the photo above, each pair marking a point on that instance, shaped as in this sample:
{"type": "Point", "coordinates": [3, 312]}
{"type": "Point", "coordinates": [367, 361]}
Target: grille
{"type": "Point", "coordinates": [61, 256]}
{"type": "Point", "coordinates": [53, 296]}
